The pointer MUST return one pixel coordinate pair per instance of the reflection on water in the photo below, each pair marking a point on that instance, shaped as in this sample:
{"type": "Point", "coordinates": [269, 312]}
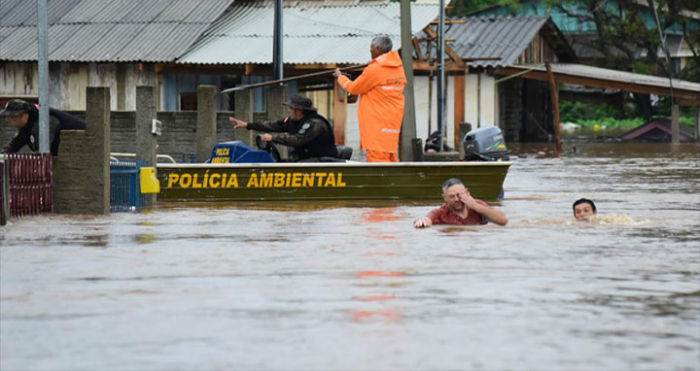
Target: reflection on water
{"type": "Point", "coordinates": [352, 285]}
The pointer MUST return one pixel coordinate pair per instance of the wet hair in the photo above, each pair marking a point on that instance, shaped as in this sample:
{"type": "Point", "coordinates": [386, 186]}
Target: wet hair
{"type": "Point", "coordinates": [382, 42]}
{"type": "Point", "coordinates": [583, 201]}
{"type": "Point", "coordinates": [452, 182]}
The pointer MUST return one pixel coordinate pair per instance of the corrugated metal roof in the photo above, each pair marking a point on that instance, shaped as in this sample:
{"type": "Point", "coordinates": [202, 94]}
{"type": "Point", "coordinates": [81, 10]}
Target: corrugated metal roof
{"type": "Point", "coordinates": [581, 70]}
{"type": "Point", "coordinates": [331, 34]}
{"type": "Point", "coordinates": [504, 37]}
{"type": "Point", "coordinates": [325, 3]}
{"type": "Point", "coordinates": [17, 13]}
{"type": "Point", "coordinates": [107, 30]}
{"type": "Point", "coordinates": [585, 46]}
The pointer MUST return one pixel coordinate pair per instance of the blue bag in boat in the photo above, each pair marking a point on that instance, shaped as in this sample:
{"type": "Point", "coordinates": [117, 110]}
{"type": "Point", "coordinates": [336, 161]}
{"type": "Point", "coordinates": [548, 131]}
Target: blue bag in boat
{"type": "Point", "coordinates": [237, 152]}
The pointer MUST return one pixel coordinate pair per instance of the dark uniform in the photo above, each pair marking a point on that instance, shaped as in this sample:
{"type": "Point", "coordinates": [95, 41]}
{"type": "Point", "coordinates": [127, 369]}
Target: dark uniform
{"type": "Point", "coordinates": [311, 137]}
{"type": "Point", "coordinates": [29, 134]}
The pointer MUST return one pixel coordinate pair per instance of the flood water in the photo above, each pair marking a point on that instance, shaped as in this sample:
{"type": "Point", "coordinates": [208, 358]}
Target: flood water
{"type": "Point", "coordinates": [354, 286]}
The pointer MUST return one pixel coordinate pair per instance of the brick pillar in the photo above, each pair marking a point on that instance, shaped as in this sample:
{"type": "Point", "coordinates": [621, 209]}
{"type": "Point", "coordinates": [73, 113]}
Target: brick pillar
{"type": "Point", "coordinates": [146, 142]}
{"type": "Point", "coordinates": [243, 110]}
{"type": "Point", "coordinates": [206, 121]}
{"type": "Point", "coordinates": [81, 171]}
{"type": "Point", "coordinates": [276, 95]}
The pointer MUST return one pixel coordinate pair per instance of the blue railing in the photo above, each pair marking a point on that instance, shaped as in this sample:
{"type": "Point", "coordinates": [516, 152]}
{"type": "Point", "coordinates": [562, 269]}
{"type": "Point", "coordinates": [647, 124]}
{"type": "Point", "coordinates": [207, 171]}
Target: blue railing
{"type": "Point", "coordinates": [125, 189]}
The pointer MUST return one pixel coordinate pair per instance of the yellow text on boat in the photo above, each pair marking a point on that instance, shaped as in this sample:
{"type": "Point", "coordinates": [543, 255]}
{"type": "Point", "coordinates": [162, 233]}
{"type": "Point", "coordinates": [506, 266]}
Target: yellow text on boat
{"type": "Point", "coordinates": [257, 180]}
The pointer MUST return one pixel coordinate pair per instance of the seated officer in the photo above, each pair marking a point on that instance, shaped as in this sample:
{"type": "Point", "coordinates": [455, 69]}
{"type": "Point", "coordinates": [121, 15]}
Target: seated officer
{"type": "Point", "coordinates": [309, 133]}
{"type": "Point", "coordinates": [25, 118]}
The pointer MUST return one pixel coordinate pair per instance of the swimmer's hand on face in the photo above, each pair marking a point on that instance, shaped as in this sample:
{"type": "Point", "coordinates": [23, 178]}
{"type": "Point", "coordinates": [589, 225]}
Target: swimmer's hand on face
{"type": "Point", "coordinates": [422, 222]}
{"type": "Point", "coordinates": [468, 200]}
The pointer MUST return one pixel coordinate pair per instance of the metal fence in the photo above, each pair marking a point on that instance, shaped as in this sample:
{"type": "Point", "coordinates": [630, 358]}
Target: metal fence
{"type": "Point", "coordinates": [125, 188]}
{"type": "Point", "coordinates": [25, 180]}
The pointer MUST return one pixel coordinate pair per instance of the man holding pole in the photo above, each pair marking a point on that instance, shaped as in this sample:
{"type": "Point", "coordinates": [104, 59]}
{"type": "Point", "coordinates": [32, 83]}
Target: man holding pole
{"type": "Point", "coordinates": [381, 86]}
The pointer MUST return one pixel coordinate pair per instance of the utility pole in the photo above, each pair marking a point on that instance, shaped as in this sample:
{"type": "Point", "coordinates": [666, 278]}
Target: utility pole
{"type": "Point", "coordinates": [408, 128]}
{"type": "Point", "coordinates": [277, 43]}
{"type": "Point", "coordinates": [441, 76]}
{"type": "Point", "coordinates": [43, 42]}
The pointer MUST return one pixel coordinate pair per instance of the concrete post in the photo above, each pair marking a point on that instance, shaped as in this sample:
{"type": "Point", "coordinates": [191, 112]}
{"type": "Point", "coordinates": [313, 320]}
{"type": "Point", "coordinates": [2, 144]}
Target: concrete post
{"type": "Point", "coordinates": [464, 128]}
{"type": "Point", "coordinates": [675, 124]}
{"type": "Point", "coordinates": [146, 142]}
{"type": "Point", "coordinates": [276, 95]}
{"type": "Point", "coordinates": [243, 110]}
{"type": "Point", "coordinates": [206, 121]}
{"type": "Point", "coordinates": [417, 144]}
{"type": "Point", "coordinates": [81, 171]}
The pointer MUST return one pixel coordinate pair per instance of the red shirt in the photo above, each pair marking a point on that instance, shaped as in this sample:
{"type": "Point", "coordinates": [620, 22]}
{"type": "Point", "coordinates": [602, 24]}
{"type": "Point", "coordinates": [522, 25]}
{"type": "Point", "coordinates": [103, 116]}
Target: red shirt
{"type": "Point", "coordinates": [445, 215]}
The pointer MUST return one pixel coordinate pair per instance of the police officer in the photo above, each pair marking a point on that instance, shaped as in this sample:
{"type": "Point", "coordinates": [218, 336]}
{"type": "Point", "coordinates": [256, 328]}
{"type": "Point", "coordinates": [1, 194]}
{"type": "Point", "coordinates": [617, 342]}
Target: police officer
{"type": "Point", "coordinates": [308, 132]}
{"type": "Point", "coordinates": [24, 117]}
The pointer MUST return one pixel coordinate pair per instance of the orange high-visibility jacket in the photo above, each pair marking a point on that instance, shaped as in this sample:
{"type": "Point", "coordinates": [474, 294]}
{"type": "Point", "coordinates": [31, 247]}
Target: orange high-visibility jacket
{"type": "Point", "coordinates": [380, 87]}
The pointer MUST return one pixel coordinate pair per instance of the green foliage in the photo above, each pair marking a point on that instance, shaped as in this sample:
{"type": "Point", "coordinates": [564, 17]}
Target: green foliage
{"type": "Point", "coordinates": [643, 68]}
{"type": "Point", "coordinates": [461, 7]}
{"type": "Point", "coordinates": [577, 112]}
{"type": "Point", "coordinates": [627, 124]}
{"type": "Point", "coordinates": [611, 123]}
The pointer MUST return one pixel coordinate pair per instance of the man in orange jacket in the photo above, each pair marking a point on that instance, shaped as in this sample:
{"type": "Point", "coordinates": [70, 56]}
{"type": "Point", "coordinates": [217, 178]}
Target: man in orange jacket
{"type": "Point", "coordinates": [380, 87]}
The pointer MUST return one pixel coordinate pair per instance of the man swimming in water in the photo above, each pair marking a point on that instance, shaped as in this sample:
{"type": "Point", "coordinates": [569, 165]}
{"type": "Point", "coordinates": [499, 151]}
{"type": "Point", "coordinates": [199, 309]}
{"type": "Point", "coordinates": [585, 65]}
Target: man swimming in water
{"type": "Point", "coordinates": [584, 209]}
{"type": "Point", "coordinates": [461, 208]}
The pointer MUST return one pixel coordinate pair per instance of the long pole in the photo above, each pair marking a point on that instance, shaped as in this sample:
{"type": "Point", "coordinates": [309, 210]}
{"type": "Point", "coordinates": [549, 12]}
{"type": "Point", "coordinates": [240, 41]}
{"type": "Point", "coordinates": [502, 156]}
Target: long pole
{"type": "Point", "coordinates": [441, 76]}
{"type": "Point", "coordinates": [278, 50]}
{"type": "Point", "coordinates": [408, 128]}
{"type": "Point", "coordinates": [288, 79]}
{"type": "Point", "coordinates": [43, 42]}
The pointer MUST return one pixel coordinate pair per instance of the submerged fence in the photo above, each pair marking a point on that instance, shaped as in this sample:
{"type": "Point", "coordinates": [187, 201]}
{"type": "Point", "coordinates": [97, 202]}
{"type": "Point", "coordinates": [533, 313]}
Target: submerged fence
{"type": "Point", "coordinates": [25, 185]}
{"type": "Point", "coordinates": [125, 188]}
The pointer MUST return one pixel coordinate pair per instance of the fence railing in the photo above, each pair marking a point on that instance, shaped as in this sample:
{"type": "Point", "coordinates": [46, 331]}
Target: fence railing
{"type": "Point", "coordinates": [26, 185]}
{"type": "Point", "coordinates": [125, 185]}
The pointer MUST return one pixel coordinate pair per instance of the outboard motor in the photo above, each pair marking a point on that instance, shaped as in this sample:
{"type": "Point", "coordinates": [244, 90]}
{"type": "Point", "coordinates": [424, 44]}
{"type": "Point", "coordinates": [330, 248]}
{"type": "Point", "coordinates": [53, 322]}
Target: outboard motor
{"type": "Point", "coordinates": [485, 144]}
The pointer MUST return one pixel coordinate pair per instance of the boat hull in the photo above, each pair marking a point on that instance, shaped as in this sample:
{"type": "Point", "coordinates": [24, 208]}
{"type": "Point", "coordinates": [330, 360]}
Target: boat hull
{"type": "Point", "coordinates": [326, 181]}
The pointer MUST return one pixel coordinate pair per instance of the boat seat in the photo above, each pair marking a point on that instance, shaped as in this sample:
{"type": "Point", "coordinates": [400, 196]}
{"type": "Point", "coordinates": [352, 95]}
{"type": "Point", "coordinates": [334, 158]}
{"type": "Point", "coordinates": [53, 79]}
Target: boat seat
{"type": "Point", "coordinates": [344, 152]}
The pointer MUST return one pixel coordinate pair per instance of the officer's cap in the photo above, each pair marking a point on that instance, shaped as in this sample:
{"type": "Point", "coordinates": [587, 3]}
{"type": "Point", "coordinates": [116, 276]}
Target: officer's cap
{"type": "Point", "coordinates": [15, 107]}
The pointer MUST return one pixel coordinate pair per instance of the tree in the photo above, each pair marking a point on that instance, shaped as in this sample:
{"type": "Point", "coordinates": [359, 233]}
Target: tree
{"type": "Point", "coordinates": [461, 7]}
{"type": "Point", "coordinates": [626, 36]}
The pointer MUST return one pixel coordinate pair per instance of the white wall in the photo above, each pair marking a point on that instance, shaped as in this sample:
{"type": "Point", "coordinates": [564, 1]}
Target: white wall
{"type": "Point", "coordinates": [476, 85]}
{"type": "Point", "coordinates": [420, 88]}
{"type": "Point", "coordinates": [481, 100]}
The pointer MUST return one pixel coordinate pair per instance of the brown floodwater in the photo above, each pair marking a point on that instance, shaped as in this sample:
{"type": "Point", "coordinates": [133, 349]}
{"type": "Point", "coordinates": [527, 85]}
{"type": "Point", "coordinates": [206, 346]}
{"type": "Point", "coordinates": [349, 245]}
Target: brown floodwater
{"type": "Point", "coordinates": [353, 286]}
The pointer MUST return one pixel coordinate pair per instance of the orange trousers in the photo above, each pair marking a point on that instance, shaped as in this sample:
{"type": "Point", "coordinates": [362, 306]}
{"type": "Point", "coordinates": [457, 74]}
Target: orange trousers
{"type": "Point", "coordinates": [379, 156]}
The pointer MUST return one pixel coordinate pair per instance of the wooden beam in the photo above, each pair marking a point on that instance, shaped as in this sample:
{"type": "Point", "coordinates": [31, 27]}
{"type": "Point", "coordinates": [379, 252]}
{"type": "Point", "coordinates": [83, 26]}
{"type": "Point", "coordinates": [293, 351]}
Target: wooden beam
{"type": "Point", "coordinates": [685, 95]}
{"type": "Point", "coordinates": [457, 21]}
{"type": "Point", "coordinates": [554, 92]}
{"type": "Point", "coordinates": [459, 108]}
{"type": "Point", "coordinates": [448, 49]}
{"type": "Point", "coordinates": [675, 124]}
{"type": "Point", "coordinates": [416, 47]}
{"type": "Point", "coordinates": [423, 66]}
{"type": "Point", "coordinates": [316, 66]}
{"type": "Point", "coordinates": [690, 102]}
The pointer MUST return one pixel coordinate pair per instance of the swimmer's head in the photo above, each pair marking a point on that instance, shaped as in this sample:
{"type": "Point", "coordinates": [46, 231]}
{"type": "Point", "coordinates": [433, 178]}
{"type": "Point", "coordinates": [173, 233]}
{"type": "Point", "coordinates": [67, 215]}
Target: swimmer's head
{"type": "Point", "coordinates": [584, 208]}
